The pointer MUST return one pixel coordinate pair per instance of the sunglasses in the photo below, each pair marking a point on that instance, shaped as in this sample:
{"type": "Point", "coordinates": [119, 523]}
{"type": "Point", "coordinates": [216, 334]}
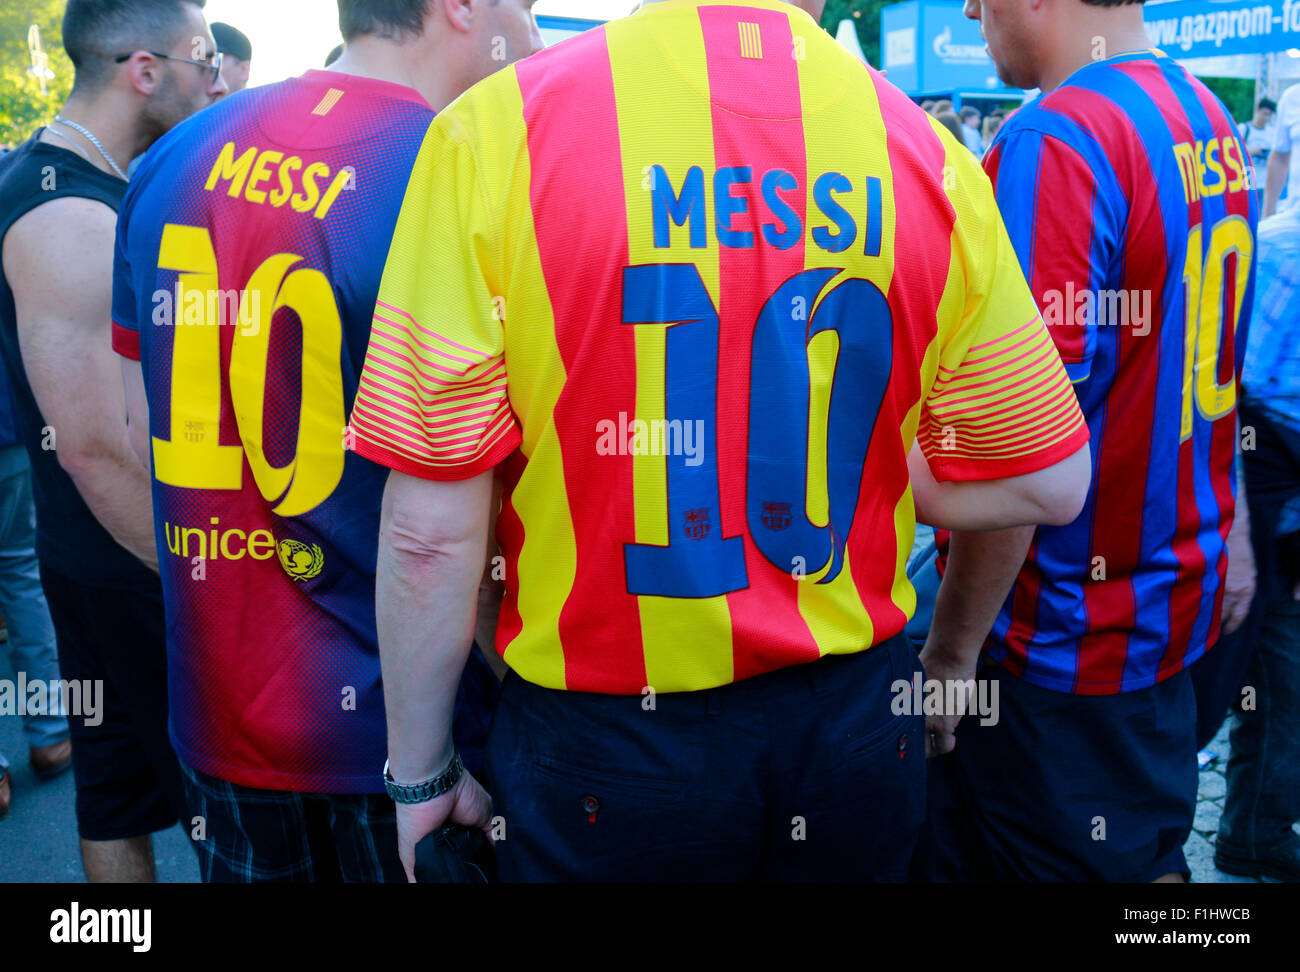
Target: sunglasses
{"type": "Point", "coordinates": [214, 65]}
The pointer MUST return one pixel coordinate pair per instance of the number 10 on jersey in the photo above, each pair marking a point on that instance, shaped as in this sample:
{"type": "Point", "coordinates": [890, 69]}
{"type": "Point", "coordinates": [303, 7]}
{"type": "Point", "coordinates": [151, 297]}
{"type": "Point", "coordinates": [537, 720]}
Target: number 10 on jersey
{"type": "Point", "coordinates": [192, 456]}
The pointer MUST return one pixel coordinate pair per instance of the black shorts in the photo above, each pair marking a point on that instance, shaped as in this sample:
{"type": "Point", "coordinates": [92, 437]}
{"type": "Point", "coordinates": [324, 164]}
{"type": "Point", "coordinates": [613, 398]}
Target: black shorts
{"type": "Point", "coordinates": [1065, 787]}
{"type": "Point", "coordinates": [128, 780]}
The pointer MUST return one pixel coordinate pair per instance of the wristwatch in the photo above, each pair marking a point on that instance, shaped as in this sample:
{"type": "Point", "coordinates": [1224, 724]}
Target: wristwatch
{"type": "Point", "coordinates": [434, 786]}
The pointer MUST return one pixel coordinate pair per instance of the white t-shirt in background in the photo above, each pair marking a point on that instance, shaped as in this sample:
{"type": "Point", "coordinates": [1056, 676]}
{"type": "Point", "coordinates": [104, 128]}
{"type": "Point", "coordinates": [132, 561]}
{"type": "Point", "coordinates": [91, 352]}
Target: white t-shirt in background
{"type": "Point", "coordinates": [1287, 137]}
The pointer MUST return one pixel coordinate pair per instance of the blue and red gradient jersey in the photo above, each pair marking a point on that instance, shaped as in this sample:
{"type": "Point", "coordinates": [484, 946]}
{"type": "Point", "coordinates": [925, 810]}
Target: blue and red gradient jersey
{"type": "Point", "coordinates": [250, 248]}
{"type": "Point", "coordinates": [1128, 198]}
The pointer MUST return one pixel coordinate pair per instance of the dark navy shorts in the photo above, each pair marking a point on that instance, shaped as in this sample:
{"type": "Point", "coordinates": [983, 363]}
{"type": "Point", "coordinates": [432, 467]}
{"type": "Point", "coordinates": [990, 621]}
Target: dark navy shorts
{"type": "Point", "coordinates": [1065, 787]}
{"type": "Point", "coordinates": [801, 774]}
{"type": "Point", "coordinates": [128, 779]}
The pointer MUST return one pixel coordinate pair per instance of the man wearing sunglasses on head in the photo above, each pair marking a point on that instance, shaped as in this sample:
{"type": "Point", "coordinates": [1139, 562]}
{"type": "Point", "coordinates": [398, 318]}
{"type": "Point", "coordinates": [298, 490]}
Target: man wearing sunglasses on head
{"type": "Point", "coordinates": [142, 66]}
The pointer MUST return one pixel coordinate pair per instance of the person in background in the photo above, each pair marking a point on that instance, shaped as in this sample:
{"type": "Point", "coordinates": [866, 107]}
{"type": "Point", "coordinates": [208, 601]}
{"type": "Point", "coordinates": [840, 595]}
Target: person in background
{"type": "Point", "coordinates": [142, 66]}
{"type": "Point", "coordinates": [277, 710]}
{"type": "Point", "coordinates": [1096, 734]}
{"type": "Point", "coordinates": [1258, 133]}
{"type": "Point", "coordinates": [1282, 182]}
{"type": "Point", "coordinates": [970, 130]}
{"type": "Point", "coordinates": [237, 56]}
{"type": "Point", "coordinates": [30, 633]}
{"type": "Point", "coordinates": [950, 121]}
{"type": "Point", "coordinates": [989, 130]}
{"type": "Point", "coordinates": [939, 107]}
{"type": "Point", "coordinates": [1256, 836]}
{"type": "Point", "coordinates": [927, 105]}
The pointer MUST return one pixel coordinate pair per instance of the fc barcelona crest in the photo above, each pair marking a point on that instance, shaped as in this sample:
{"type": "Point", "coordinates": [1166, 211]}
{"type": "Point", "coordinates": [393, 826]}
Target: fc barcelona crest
{"type": "Point", "coordinates": [697, 523]}
{"type": "Point", "coordinates": [776, 516]}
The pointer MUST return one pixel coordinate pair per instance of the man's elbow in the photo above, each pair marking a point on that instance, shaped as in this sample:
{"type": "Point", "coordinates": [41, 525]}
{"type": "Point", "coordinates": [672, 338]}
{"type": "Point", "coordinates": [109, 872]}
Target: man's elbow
{"type": "Point", "coordinates": [419, 554]}
{"type": "Point", "coordinates": [1061, 490]}
{"type": "Point", "coordinates": [84, 461]}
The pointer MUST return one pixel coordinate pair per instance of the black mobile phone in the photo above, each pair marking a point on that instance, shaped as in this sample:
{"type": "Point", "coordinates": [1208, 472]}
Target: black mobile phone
{"type": "Point", "coordinates": [455, 855]}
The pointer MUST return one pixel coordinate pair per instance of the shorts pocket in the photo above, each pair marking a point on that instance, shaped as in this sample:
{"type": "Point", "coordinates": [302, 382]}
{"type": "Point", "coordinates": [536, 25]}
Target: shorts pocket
{"type": "Point", "coordinates": [659, 789]}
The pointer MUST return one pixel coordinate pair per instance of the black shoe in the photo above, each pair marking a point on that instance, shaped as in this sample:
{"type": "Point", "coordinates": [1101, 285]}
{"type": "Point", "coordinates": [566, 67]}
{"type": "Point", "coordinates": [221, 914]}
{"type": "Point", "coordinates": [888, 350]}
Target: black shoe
{"type": "Point", "coordinates": [1281, 863]}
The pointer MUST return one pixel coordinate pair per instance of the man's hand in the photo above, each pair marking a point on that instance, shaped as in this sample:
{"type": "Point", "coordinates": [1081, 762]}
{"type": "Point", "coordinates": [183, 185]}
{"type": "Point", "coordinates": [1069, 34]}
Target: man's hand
{"type": "Point", "coordinates": [941, 730]}
{"type": "Point", "coordinates": [466, 803]}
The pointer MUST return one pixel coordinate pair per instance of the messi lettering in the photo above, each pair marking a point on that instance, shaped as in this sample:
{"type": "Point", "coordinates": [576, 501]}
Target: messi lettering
{"type": "Point", "coordinates": [742, 204]}
{"type": "Point", "coordinates": [269, 178]}
{"type": "Point", "coordinates": [1212, 168]}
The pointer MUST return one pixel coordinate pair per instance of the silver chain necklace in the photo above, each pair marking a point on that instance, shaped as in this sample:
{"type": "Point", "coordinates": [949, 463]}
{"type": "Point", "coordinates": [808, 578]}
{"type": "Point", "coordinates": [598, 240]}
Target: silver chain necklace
{"type": "Point", "coordinates": [71, 144]}
{"type": "Point", "coordinates": [93, 141]}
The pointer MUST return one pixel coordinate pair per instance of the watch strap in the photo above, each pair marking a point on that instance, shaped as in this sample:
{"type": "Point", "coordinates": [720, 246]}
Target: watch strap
{"type": "Point", "coordinates": [430, 789]}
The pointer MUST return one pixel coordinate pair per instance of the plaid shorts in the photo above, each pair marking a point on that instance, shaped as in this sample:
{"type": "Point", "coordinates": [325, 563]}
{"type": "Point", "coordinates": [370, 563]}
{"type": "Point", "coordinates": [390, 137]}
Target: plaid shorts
{"type": "Point", "coordinates": [281, 836]}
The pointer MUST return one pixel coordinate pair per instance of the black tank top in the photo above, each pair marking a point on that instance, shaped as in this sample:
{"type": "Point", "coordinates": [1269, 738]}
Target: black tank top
{"type": "Point", "coordinates": [68, 537]}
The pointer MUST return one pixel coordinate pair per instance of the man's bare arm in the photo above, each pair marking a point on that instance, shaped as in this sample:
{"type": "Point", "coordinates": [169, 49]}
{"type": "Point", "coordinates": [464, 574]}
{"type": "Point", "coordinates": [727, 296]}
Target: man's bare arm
{"type": "Point", "coordinates": [490, 592]}
{"type": "Point", "coordinates": [980, 570]}
{"type": "Point", "coordinates": [59, 259]}
{"type": "Point", "coordinates": [1279, 166]}
{"type": "Point", "coordinates": [1239, 585]}
{"type": "Point", "coordinates": [137, 411]}
{"type": "Point", "coordinates": [432, 540]}
{"type": "Point", "coordinates": [1052, 496]}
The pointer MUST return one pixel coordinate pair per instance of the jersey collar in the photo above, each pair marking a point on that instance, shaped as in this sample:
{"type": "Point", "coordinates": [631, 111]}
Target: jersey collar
{"type": "Point", "coordinates": [389, 89]}
{"type": "Point", "coordinates": [779, 5]}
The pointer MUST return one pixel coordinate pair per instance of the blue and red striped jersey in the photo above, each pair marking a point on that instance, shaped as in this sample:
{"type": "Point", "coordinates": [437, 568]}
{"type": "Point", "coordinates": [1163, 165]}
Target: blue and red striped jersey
{"type": "Point", "coordinates": [250, 248]}
{"type": "Point", "coordinates": [1128, 197]}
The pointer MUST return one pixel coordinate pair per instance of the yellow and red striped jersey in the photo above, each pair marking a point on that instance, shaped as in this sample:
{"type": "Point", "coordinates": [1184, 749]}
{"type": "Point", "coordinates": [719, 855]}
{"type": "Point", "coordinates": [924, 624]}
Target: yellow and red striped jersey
{"type": "Point", "coordinates": [700, 278]}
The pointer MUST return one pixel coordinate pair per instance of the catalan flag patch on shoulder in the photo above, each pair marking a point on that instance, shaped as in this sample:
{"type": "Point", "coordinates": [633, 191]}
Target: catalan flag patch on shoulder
{"type": "Point", "coordinates": [331, 99]}
{"type": "Point", "coordinates": [751, 41]}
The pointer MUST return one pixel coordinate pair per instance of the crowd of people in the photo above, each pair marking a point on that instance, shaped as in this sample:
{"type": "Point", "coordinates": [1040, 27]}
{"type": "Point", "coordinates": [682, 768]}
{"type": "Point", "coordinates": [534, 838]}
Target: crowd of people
{"type": "Point", "coordinates": [447, 441]}
{"type": "Point", "coordinates": [972, 129]}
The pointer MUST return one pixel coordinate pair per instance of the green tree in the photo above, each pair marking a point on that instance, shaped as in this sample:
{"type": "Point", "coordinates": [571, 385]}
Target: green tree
{"type": "Point", "coordinates": [1237, 95]}
{"type": "Point", "coordinates": [865, 15]}
{"type": "Point", "coordinates": [23, 107]}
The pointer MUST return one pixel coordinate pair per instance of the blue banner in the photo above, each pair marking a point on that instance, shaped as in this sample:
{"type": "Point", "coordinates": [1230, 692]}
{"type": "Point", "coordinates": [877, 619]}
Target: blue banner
{"type": "Point", "coordinates": [932, 46]}
{"type": "Point", "coordinates": [1214, 28]}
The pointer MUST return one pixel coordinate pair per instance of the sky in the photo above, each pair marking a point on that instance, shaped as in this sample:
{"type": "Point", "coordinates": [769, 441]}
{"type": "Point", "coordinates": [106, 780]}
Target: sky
{"type": "Point", "coordinates": [290, 36]}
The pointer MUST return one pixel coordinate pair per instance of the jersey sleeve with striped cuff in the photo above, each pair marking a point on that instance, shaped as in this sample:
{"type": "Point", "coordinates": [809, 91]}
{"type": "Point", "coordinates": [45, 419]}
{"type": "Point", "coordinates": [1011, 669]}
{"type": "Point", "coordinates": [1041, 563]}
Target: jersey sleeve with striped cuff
{"type": "Point", "coordinates": [432, 399]}
{"type": "Point", "coordinates": [1001, 404]}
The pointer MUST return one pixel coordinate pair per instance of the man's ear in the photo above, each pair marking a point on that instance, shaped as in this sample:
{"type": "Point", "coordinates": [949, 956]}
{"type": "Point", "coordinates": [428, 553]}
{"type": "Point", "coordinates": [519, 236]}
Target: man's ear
{"type": "Point", "coordinates": [144, 72]}
{"type": "Point", "coordinates": [459, 13]}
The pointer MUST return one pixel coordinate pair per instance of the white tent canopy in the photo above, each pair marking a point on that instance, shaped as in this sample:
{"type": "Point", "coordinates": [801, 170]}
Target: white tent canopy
{"type": "Point", "coordinates": [847, 37]}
